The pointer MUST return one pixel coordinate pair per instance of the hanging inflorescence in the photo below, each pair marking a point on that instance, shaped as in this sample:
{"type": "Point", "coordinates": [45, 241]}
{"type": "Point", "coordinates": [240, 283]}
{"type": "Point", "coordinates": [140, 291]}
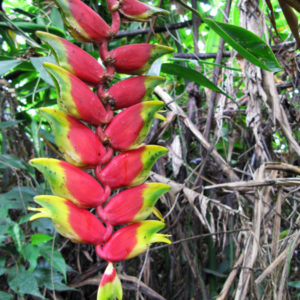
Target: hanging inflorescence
{"type": "Point", "coordinates": [83, 95]}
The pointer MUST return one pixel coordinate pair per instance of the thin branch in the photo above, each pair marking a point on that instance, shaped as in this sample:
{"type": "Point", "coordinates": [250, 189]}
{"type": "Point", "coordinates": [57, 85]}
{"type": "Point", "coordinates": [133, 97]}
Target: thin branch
{"type": "Point", "coordinates": [158, 29]}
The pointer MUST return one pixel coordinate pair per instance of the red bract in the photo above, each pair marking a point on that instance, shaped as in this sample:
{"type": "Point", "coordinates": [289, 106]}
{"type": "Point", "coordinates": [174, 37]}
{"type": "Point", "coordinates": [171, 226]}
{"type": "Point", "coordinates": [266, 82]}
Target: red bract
{"type": "Point", "coordinates": [78, 143]}
{"type": "Point", "coordinates": [132, 205]}
{"type": "Point", "coordinates": [76, 98]}
{"type": "Point", "coordinates": [130, 91]}
{"type": "Point", "coordinates": [70, 182]}
{"type": "Point", "coordinates": [129, 128]}
{"type": "Point", "coordinates": [138, 11]}
{"type": "Point", "coordinates": [74, 59]}
{"type": "Point", "coordinates": [134, 59]}
{"type": "Point", "coordinates": [74, 223]}
{"type": "Point", "coordinates": [130, 168]}
{"type": "Point", "coordinates": [83, 23]}
{"type": "Point", "coordinates": [132, 240]}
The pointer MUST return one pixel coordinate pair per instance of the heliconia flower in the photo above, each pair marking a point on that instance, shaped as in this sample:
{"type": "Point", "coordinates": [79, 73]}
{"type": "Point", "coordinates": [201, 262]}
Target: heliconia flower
{"type": "Point", "coordinates": [76, 98]}
{"type": "Point", "coordinates": [134, 59]}
{"type": "Point", "coordinates": [78, 143]}
{"type": "Point", "coordinates": [71, 182]}
{"type": "Point", "coordinates": [74, 59]}
{"type": "Point", "coordinates": [129, 128]}
{"type": "Point", "coordinates": [138, 11]}
{"type": "Point", "coordinates": [134, 204]}
{"type": "Point", "coordinates": [110, 286]}
{"type": "Point", "coordinates": [132, 240]}
{"type": "Point", "coordinates": [77, 224]}
{"type": "Point", "coordinates": [130, 168]}
{"type": "Point", "coordinates": [83, 23]}
{"type": "Point", "coordinates": [130, 91]}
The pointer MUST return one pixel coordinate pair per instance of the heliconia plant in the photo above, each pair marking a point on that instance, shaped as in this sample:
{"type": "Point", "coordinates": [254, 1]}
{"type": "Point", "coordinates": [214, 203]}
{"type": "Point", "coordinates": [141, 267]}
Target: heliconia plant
{"type": "Point", "coordinates": [88, 130]}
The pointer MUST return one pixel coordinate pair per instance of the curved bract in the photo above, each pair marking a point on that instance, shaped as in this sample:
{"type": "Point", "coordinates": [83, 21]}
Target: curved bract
{"type": "Point", "coordinates": [129, 128]}
{"type": "Point", "coordinates": [130, 168]}
{"type": "Point", "coordinates": [71, 182]}
{"type": "Point", "coordinates": [74, 223]}
{"type": "Point", "coordinates": [76, 98]}
{"type": "Point", "coordinates": [78, 143]}
{"type": "Point", "coordinates": [74, 59]}
{"type": "Point", "coordinates": [132, 240]}
{"type": "Point", "coordinates": [132, 205]}
{"type": "Point", "coordinates": [83, 23]}
{"type": "Point", "coordinates": [138, 11]}
{"type": "Point", "coordinates": [131, 91]}
{"type": "Point", "coordinates": [136, 59]}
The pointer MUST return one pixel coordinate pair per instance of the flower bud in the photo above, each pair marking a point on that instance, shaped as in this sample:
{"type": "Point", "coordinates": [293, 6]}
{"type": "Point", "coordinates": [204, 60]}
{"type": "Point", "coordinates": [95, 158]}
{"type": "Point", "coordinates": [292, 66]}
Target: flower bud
{"type": "Point", "coordinates": [76, 98]}
{"type": "Point", "coordinates": [74, 59]}
{"type": "Point", "coordinates": [77, 224]}
{"type": "Point", "coordinates": [70, 182]}
{"type": "Point", "coordinates": [138, 11]}
{"type": "Point", "coordinates": [130, 168]}
{"type": "Point", "coordinates": [131, 91]}
{"type": "Point", "coordinates": [133, 205]}
{"type": "Point", "coordinates": [110, 286]}
{"type": "Point", "coordinates": [83, 23]}
{"type": "Point", "coordinates": [129, 128]}
{"type": "Point", "coordinates": [132, 240]}
{"type": "Point", "coordinates": [136, 58]}
{"type": "Point", "coordinates": [78, 143]}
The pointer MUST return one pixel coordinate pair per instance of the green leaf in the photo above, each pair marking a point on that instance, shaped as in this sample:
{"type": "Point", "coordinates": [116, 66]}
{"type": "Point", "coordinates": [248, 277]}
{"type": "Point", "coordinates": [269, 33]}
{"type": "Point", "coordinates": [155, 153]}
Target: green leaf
{"type": "Point", "coordinates": [57, 260]}
{"type": "Point", "coordinates": [246, 43]}
{"type": "Point", "coordinates": [23, 282]}
{"type": "Point", "coordinates": [17, 235]}
{"type": "Point", "coordinates": [43, 276]}
{"type": "Point", "coordinates": [294, 284]}
{"type": "Point", "coordinates": [2, 265]}
{"type": "Point", "coordinates": [31, 253]}
{"type": "Point", "coordinates": [10, 161]}
{"type": "Point", "coordinates": [7, 65]}
{"type": "Point", "coordinates": [40, 238]}
{"type": "Point", "coordinates": [37, 62]}
{"type": "Point", "coordinates": [191, 75]}
{"type": "Point", "coordinates": [8, 124]}
{"type": "Point", "coordinates": [5, 296]}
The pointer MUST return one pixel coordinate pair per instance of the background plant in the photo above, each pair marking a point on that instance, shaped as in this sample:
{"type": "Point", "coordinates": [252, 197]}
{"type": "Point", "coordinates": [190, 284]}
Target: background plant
{"type": "Point", "coordinates": [242, 143]}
